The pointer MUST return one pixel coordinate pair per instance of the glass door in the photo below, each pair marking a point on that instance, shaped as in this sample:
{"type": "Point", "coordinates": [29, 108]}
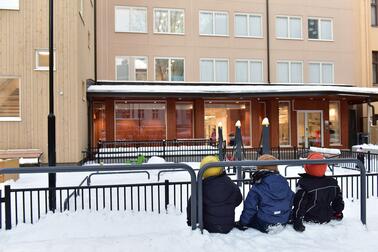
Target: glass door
{"type": "Point", "coordinates": [310, 130]}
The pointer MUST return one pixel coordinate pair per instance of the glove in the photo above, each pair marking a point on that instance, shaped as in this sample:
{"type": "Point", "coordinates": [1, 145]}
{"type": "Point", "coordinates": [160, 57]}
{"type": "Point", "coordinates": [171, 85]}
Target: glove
{"type": "Point", "coordinates": [338, 216]}
{"type": "Point", "coordinates": [298, 226]}
{"type": "Point", "coordinates": [240, 226]}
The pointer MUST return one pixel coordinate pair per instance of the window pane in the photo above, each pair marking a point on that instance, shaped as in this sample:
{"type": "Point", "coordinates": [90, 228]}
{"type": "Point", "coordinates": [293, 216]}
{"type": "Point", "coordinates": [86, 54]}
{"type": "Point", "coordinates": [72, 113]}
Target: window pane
{"type": "Point", "coordinates": [184, 120]}
{"type": "Point", "coordinates": [207, 70]}
{"type": "Point", "coordinates": [255, 26]}
{"type": "Point", "coordinates": [283, 72]}
{"type": "Point", "coordinates": [177, 69]}
{"type": "Point", "coordinates": [295, 28]}
{"type": "Point", "coordinates": [284, 119]}
{"type": "Point", "coordinates": [334, 123]}
{"type": "Point", "coordinates": [374, 15]}
{"type": "Point", "coordinates": [296, 73]}
{"type": "Point", "coordinates": [122, 16]}
{"type": "Point", "coordinates": [242, 71]}
{"type": "Point", "coordinates": [241, 28]}
{"type": "Point", "coordinates": [314, 72]}
{"type": "Point", "coordinates": [122, 65]}
{"type": "Point", "coordinates": [221, 71]}
{"type": "Point", "coordinates": [140, 69]}
{"type": "Point", "coordinates": [161, 69]}
{"type": "Point", "coordinates": [313, 29]}
{"type": "Point", "coordinates": [327, 71]}
{"type": "Point", "coordinates": [138, 20]}
{"type": "Point", "coordinates": [326, 26]}
{"type": "Point", "coordinates": [206, 23]}
{"type": "Point", "coordinates": [161, 21]}
{"type": "Point", "coordinates": [10, 4]}
{"type": "Point", "coordinates": [177, 21]}
{"type": "Point", "coordinates": [256, 71]}
{"type": "Point", "coordinates": [9, 97]}
{"type": "Point", "coordinates": [221, 24]}
{"type": "Point", "coordinates": [281, 27]}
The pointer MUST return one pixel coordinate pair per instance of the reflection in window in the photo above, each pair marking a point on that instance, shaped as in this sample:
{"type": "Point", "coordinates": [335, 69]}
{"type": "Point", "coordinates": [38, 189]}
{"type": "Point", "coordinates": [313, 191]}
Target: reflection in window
{"type": "Point", "coordinates": [320, 28]}
{"type": "Point", "coordinates": [9, 99]}
{"type": "Point", "coordinates": [213, 23]}
{"type": "Point", "coordinates": [184, 120]}
{"type": "Point", "coordinates": [169, 69]}
{"type": "Point", "coordinates": [169, 21]}
{"type": "Point", "coordinates": [334, 123]}
{"type": "Point", "coordinates": [140, 120]}
{"type": "Point", "coordinates": [131, 68]}
{"type": "Point", "coordinates": [284, 123]}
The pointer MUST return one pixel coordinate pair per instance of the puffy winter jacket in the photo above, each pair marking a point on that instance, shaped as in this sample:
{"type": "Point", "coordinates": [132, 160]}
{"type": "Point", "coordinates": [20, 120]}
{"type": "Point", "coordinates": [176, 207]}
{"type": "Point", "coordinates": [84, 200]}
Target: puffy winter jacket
{"type": "Point", "coordinates": [317, 199]}
{"type": "Point", "coordinates": [220, 198]}
{"type": "Point", "coordinates": [269, 201]}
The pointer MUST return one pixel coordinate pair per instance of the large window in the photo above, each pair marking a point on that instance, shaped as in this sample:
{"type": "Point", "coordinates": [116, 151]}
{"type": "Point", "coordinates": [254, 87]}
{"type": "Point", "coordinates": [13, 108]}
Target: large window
{"type": "Point", "coordinates": [249, 71]}
{"type": "Point", "coordinates": [248, 25]}
{"type": "Point", "coordinates": [375, 67]}
{"type": "Point", "coordinates": [169, 21]}
{"type": "Point", "coordinates": [289, 72]}
{"type": "Point", "coordinates": [321, 73]}
{"type": "Point", "coordinates": [131, 68]}
{"type": "Point", "coordinates": [288, 27]}
{"type": "Point", "coordinates": [374, 12]}
{"type": "Point", "coordinates": [130, 19]}
{"type": "Point", "coordinates": [320, 28]}
{"type": "Point", "coordinates": [213, 23]}
{"type": "Point", "coordinates": [184, 120]}
{"type": "Point", "coordinates": [140, 120]}
{"type": "Point", "coordinates": [228, 113]}
{"type": "Point", "coordinates": [9, 4]}
{"type": "Point", "coordinates": [334, 123]}
{"type": "Point", "coordinates": [42, 57]}
{"type": "Point", "coordinates": [99, 122]}
{"type": "Point", "coordinates": [214, 70]}
{"type": "Point", "coordinates": [9, 99]}
{"type": "Point", "coordinates": [169, 69]}
{"type": "Point", "coordinates": [284, 123]}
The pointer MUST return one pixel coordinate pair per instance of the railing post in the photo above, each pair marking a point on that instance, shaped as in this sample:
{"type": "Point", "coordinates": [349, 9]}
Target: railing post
{"type": "Point", "coordinates": [368, 160]}
{"type": "Point", "coordinates": [164, 144]}
{"type": "Point", "coordinates": [166, 193]}
{"type": "Point", "coordinates": [295, 152]}
{"type": "Point", "coordinates": [8, 214]}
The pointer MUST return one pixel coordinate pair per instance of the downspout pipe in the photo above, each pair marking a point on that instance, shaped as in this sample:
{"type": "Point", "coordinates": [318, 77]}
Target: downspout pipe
{"type": "Point", "coordinates": [267, 42]}
{"type": "Point", "coordinates": [372, 116]}
{"type": "Point", "coordinates": [370, 120]}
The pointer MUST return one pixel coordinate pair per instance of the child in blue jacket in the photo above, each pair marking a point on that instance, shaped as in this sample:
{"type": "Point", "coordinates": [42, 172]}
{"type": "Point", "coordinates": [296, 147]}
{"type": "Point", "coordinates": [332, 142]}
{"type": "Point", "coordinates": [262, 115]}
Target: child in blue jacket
{"type": "Point", "coordinates": [269, 200]}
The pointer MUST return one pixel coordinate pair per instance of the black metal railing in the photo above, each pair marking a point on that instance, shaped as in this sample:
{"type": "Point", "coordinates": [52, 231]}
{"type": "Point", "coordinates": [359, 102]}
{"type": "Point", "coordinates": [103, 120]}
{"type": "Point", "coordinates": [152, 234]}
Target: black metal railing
{"type": "Point", "coordinates": [186, 150]}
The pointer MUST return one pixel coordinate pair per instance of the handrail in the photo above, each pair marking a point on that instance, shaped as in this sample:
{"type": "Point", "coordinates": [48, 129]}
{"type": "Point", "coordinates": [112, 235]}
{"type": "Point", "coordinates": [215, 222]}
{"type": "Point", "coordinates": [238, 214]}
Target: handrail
{"type": "Point", "coordinates": [106, 168]}
{"type": "Point", "coordinates": [108, 173]}
{"type": "Point", "coordinates": [239, 164]}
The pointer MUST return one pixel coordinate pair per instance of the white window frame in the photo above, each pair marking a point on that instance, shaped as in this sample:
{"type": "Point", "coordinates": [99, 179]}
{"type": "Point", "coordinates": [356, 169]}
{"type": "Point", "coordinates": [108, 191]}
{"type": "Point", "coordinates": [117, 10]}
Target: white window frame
{"type": "Point", "coordinates": [248, 24]}
{"type": "Point", "coordinates": [8, 5]}
{"type": "Point", "coordinates": [213, 13]}
{"type": "Point", "coordinates": [128, 57]}
{"type": "Point", "coordinates": [130, 8]}
{"type": "Point", "coordinates": [288, 27]}
{"type": "Point", "coordinates": [289, 62]}
{"type": "Point", "coordinates": [169, 68]}
{"type": "Point", "coordinates": [169, 21]}
{"type": "Point", "coordinates": [43, 68]}
{"type": "Point", "coordinates": [214, 72]}
{"type": "Point", "coordinates": [289, 121]}
{"type": "Point", "coordinates": [321, 71]}
{"type": "Point", "coordinates": [320, 29]}
{"type": "Point", "coordinates": [249, 70]}
{"type": "Point", "coordinates": [14, 119]}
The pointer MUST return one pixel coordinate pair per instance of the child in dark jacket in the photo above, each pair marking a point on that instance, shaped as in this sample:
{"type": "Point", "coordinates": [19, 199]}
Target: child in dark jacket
{"type": "Point", "coordinates": [220, 198]}
{"type": "Point", "coordinates": [269, 200]}
{"type": "Point", "coordinates": [318, 198]}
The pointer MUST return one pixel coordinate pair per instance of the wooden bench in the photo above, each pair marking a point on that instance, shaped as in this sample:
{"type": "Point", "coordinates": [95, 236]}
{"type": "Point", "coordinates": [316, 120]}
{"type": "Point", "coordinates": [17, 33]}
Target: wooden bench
{"type": "Point", "coordinates": [24, 155]}
{"type": "Point", "coordinates": [9, 163]}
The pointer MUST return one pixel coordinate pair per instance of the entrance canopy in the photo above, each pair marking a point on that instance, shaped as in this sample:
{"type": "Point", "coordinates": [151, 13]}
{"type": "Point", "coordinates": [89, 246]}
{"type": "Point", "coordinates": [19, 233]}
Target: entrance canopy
{"type": "Point", "coordinates": [354, 95]}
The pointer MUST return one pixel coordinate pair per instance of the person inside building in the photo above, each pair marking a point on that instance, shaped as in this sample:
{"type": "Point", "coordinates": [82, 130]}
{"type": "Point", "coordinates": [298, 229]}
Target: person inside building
{"type": "Point", "coordinates": [213, 137]}
{"type": "Point", "coordinates": [318, 198]}
{"type": "Point", "coordinates": [269, 201]}
{"type": "Point", "coordinates": [220, 198]}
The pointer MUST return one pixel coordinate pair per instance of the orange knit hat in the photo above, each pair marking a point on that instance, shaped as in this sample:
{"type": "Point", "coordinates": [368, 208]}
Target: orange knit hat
{"type": "Point", "coordinates": [317, 170]}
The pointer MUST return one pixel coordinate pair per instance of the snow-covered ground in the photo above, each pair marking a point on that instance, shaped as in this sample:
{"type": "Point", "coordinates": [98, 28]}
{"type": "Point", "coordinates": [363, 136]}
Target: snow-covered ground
{"type": "Point", "coordinates": [143, 231]}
